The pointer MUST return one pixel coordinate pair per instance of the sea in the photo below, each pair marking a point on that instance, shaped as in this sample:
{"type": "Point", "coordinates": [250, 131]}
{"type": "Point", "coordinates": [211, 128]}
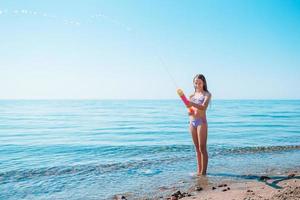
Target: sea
{"type": "Point", "coordinates": [142, 149]}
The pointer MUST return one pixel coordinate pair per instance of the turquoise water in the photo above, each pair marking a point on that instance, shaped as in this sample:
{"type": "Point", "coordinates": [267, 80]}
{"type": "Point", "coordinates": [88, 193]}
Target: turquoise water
{"type": "Point", "coordinates": [90, 149]}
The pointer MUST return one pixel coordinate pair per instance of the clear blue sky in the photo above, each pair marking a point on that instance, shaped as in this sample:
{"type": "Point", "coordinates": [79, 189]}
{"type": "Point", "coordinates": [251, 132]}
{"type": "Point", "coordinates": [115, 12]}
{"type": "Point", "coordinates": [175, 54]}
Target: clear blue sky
{"type": "Point", "coordinates": [110, 49]}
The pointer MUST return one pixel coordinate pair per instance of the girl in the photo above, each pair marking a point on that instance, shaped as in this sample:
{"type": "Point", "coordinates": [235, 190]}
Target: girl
{"type": "Point", "coordinates": [198, 124]}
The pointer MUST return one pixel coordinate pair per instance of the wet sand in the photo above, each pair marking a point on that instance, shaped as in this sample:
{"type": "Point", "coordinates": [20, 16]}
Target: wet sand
{"type": "Point", "coordinates": [232, 187]}
{"type": "Point", "coordinates": [261, 187]}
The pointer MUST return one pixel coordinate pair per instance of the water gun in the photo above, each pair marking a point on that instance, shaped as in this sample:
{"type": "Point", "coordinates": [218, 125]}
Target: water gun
{"type": "Point", "coordinates": [185, 100]}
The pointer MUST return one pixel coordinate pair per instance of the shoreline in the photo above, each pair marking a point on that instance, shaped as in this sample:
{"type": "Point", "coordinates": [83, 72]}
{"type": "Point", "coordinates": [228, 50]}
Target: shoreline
{"type": "Point", "coordinates": [286, 186]}
{"type": "Point", "coordinates": [273, 187]}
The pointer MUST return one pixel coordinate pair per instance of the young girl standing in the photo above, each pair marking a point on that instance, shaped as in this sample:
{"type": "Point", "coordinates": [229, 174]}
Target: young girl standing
{"type": "Point", "coordinates": [198, 124]}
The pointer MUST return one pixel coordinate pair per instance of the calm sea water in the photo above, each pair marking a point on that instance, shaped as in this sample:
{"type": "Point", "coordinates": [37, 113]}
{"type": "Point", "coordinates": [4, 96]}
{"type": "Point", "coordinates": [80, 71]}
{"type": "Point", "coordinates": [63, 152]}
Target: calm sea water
{"type": "Point", "coordinates": [89, 149]}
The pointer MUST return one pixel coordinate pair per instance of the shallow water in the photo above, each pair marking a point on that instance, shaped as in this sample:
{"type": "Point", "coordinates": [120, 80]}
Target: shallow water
{"type": "Point", "coordinates": [94, 149]}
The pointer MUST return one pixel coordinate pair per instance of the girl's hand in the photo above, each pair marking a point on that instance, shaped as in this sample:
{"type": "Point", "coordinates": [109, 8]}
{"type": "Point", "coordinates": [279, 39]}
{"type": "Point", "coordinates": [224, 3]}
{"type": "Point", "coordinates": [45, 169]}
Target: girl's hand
{"type": "Point", "coordinates": [191, 111]}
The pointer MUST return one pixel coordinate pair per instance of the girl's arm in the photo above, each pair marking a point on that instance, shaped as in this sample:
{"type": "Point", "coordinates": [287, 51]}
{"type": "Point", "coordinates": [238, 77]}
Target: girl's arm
{"type": "Point", "coordinates": [204, 104]}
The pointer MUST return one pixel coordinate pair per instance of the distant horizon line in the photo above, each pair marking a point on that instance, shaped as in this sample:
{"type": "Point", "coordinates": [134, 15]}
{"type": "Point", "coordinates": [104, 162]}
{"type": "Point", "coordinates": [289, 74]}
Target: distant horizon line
{"type": "Point", "coordinates": [119, 99]}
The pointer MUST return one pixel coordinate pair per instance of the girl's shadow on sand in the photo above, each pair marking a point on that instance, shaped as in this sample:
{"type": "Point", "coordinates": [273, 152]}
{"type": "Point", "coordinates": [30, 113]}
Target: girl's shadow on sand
{"type": "Point", "coordinates": [271, 181]}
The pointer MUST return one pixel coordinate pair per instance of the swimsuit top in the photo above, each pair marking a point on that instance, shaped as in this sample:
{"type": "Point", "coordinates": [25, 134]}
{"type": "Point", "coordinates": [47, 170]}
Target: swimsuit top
{"type": "Point", "coordinates": [198, 100]}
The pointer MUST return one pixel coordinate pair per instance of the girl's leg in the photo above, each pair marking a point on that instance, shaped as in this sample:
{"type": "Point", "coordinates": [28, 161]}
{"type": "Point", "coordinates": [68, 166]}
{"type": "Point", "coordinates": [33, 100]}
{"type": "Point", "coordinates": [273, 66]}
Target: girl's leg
{"type": "Point", "coordinates": [202, 137]}
{"type": "Point", "coordinates": [197, 148]}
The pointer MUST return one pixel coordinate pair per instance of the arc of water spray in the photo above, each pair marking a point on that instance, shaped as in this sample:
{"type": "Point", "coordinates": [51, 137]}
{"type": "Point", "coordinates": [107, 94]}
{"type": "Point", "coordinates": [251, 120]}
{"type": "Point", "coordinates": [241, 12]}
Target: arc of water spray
{"type": "Point", "coordinates": [77, 23]}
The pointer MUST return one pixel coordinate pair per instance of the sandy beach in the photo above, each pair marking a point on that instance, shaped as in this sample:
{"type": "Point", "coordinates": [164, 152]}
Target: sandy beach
{"type": "Point", "coordinates": [264, 187]}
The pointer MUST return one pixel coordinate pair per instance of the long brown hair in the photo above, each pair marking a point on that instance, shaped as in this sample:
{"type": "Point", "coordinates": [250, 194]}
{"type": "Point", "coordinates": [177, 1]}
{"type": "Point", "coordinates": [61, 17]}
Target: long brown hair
{"type": "Point", "coordinates": [202, 77]}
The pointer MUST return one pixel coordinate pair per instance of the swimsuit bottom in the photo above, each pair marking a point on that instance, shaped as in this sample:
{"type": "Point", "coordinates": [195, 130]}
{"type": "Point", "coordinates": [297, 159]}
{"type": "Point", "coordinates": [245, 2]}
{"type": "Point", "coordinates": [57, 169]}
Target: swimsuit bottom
{"type": "Point", "coordinates": [198, 122]}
